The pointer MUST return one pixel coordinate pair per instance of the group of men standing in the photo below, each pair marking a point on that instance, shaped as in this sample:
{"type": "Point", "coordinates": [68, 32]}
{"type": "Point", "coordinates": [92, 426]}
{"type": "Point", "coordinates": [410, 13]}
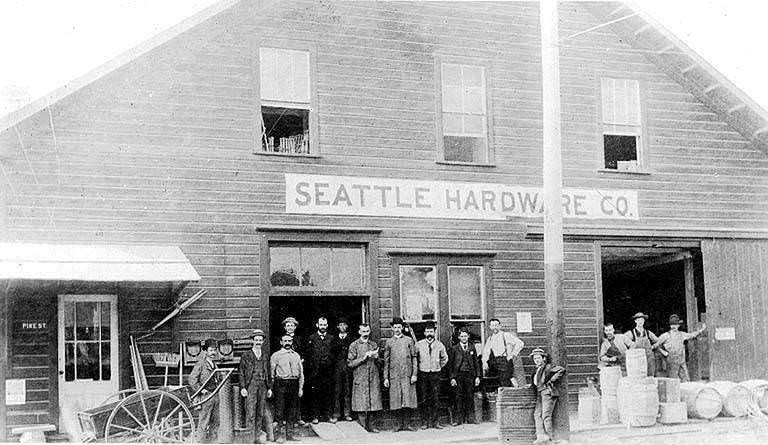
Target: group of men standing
{"type": "Point", "coordinates": [665, 354]}
{"type": "Point", "coordinates": [342, 374]}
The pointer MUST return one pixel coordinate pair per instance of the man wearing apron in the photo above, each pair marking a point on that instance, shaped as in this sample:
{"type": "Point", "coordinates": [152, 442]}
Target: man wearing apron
{"type": "Point", "coordinates": [613, 350]}
{"type": "Point", "coordinates": [643, 339]}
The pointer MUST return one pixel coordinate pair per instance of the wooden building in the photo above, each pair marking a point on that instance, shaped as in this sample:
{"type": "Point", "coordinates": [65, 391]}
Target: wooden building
{"type": "Point", "coordinates": [379, 159]}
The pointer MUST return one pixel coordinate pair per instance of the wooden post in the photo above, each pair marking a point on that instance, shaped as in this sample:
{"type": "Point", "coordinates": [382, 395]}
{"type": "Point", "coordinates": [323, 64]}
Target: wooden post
{"type": "Point", "coordinates": [5, 295]}
{"type": "Point", "coordinates": [553, 211]}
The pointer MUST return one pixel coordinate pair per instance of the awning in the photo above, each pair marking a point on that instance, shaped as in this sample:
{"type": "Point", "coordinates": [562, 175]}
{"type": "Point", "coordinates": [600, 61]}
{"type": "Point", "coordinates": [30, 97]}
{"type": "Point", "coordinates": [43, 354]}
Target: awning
{"type": "Point", "coordinates": [79, 262]}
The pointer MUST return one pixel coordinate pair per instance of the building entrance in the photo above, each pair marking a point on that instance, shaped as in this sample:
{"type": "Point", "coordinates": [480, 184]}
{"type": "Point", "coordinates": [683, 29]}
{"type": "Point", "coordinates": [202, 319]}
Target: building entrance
{"type": "Point", "coordinates": [658, 281]}
{"type": "Point", "coordinates": [307, 309]}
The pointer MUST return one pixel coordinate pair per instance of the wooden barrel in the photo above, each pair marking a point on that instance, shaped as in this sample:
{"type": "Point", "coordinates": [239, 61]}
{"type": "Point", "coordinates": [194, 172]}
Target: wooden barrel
{"type": "Point", "coordinates": [669, 390]}
{"type": "Point", "coordinates": [759, 390]}
{"type": "Point", "coordinates": [638, 401]}
{"type": "Point", "coordinates": [609, 379]}
{"type": "Point", "coordinates": [589, 408]}
{"type": "Point", "coordinates": [702, 401]}
{"type": "Point", "coordinates": [490, 399]}
{"type": "Point", "coordinates": [673, 412]}
{"type": "Point", "coordinates": [637, 363]}
{"type": "Point", "coordinates": [736, 398]}
{"type": "Point", "coordinates": [514, 411]}
{"type": "Point", "coordinates": [478, 407]}
{"type": "Point", "coordinates": [609, 409]}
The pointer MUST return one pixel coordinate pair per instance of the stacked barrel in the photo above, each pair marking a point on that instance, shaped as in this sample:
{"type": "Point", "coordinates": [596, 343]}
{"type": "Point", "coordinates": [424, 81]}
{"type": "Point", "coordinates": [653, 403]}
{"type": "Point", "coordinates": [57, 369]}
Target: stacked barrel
{"type": "Point", "coordinates": [609, 382]}
{"type": "Point", "coordinates": [637, 396]}
{"type": "Point", "coordinates": [671, 408]}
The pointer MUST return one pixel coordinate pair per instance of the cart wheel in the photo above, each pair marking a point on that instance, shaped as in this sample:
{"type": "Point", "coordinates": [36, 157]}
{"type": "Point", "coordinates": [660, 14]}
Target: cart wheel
{"type": "Point", "coordinates": [153, 416]}
{"type": "Point", "coordinates": [116, 397]}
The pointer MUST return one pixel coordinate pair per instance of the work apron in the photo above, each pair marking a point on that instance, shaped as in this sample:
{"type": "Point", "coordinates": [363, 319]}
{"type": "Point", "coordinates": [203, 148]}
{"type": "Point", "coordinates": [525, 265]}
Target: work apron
{"type": "Point", "coordinates": [643, 342]}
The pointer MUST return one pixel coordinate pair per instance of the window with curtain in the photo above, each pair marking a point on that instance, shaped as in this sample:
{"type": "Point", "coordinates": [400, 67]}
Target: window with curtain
{"type": "Point", "coordinates": [464, 113]}
{"type": "Point", "coordinates": [622, 124]}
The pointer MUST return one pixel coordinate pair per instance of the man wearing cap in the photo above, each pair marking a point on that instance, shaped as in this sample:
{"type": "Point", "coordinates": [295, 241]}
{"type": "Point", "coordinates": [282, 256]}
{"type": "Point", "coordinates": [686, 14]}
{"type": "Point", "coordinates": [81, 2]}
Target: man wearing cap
{"type": "Point", "coordinates": [400, 373]}
{"type": "Point", "coordinates": [545, 380]}
{"type": "Point", "coordinates": [464, 372]}
{"type": "Point", "coordinates": [205, 368]}
{"type": "Point", "coordinates": [256, 386]}
{"type": "Point", "coordinates": [319, 361]}
{"type": "Point", "coordinates": [674, 343]}
{"type": "Point", "coordinates": [432, 356]}
{"type": "Point", "coordinates": [643, 339]}
{"type": "Point", "coordinates": [290, 324]}
{"type": "Point", "coordinates": [363, 359]}
{"type": "Point", "coordinates": [501, 355]}
{"type": "Point", "coordinates": [614, 348]}
{"type": "Point", "coordinates": [342, 376]}
{"type": "Point", "coordinates": [288, 377]}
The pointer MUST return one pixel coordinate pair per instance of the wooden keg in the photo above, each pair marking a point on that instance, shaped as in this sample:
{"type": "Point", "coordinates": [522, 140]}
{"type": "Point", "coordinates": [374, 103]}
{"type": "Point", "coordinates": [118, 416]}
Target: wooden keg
{"type": "Point", "coordinates": [589, 408]}
{"type": "Point", "coordinates": [669, 390]}
{"type": "Point", "coordinates": [637, 363]}
{"type": "Point", "coordinates": [759, 390]}
{"type": "Point", "coordinates": [609, 409]}
{"type": "Point", "coordinates": [736, 398]}
{"type": "Point", "coordinates": [702, 401]}
{"type": "Point", "coordinates": [638, 401]}
{"type": "Point", "coordinates": [673, 412]}
{"type": "Point", "coordinates": [609, 379]}
{"type": "Point", "coordinates": [514, 414]}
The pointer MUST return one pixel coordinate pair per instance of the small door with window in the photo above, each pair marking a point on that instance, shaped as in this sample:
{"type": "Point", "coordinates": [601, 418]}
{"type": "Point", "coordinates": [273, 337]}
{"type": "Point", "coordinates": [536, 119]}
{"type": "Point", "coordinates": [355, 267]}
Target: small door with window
{"type": "Point", "coordinates": [88, 353]}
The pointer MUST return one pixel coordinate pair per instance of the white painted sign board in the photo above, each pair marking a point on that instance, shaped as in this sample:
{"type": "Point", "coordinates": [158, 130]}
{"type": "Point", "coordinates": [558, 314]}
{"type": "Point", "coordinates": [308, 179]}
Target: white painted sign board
{"type": "Point", "coordinates": [15, 392]}
{"type": "Point", "coordinates": [524, 322]}
{"type": "Point", "coordinates": [725, 334]}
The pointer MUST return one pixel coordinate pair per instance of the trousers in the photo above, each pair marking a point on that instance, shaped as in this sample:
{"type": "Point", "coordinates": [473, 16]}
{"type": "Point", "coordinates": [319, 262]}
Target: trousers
{"type": "Point", "coordinates": [208, 422]}
{"type": "Point", "coordinates": [286, 395]}
{"type": "Point", "coordinates": [342, 392]}
{"type": "Point", "coordinates": [542, 414]}
{"type": "Point", "coordinates": [428, 386]}
{"type": "Point", "coordinates": [464, 398]}
{"type": "Point", "coordinates": [255, 407]}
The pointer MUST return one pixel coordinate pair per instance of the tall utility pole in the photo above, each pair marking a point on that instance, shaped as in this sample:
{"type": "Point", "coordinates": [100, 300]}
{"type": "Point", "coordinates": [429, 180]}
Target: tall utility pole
{"type": "Point", "coordinates": [553, 211]}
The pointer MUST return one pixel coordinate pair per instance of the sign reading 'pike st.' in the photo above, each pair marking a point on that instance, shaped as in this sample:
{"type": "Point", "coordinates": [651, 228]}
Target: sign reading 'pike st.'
{"type": "Point", "coordinates": [349, 195]}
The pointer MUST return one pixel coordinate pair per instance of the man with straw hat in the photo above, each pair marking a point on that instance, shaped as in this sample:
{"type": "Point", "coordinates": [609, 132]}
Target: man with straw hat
{"type": "Point", "coordinates": [674, 342]}
{"type": "Point", "coordinates": [545, 381]}
{"type": "Point", "coordinates": [256, 386]}
{"type": "Point", "coordinates": [643, 339]}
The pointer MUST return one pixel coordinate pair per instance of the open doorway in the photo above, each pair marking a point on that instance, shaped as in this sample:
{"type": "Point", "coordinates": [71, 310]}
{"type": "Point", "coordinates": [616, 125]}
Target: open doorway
{"type": "Point", "coordinates": [658, 281]}
{"type": "Point", "coordinates": [306, 309]}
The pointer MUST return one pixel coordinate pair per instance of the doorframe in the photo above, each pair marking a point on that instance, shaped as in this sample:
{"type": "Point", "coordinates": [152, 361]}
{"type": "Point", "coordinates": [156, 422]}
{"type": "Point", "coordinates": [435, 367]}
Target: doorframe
{"type": "Point", "coordinates": [114, 337]}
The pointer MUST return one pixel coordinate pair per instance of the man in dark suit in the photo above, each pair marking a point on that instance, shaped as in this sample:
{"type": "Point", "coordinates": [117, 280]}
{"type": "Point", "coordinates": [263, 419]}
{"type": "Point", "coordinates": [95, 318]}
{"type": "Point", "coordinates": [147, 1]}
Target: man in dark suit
{"type": "Point", "coordinates": [256, 382]}
{"type": "Point", "coordinates": [342, 375]}
{"type": "Point", "coordinates": [464, 372]}
{"type": "Point", "coordinates": [545, 380]}
{"type": "Point", "coordinates": [208, 423]}
{"type": "Point", "coordinates": [320, 364]}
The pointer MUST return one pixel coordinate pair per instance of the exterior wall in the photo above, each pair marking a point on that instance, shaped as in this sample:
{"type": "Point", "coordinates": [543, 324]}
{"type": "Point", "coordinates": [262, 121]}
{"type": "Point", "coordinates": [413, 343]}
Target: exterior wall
{"type": "Point", "coordinates": [162, 150]}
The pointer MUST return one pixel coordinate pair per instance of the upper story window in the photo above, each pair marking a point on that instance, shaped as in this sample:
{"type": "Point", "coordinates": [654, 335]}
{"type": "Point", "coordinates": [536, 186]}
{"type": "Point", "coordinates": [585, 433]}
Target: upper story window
{"type": "Point", "coordinates": [318, 265]}
{"type": "Point", "coordinates": [285, 101]}
{"type": "Point", "coordinates": [464, 114]}
{"type": "Point", "coordinates": [622, 124]}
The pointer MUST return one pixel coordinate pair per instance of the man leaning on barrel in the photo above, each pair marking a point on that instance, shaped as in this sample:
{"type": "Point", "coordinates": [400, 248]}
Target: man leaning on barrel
{"type": "Point", "coordinates": [501, 355]}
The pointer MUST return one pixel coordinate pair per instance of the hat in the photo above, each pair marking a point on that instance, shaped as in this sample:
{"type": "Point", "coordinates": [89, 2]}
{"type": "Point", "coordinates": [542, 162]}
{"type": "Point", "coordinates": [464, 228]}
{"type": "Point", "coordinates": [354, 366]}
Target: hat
{"type": "Point", "coordinates": [342, 320]}
{"type": "Point", "coordinates": [397, 320]}
{"type": "Point", "coordinates": [210, 343]}
{"type": "Point", "coordinates": [675, 319]}
{"type": "Point", "coordinates": [639, 315]}
{"type": "Point", "coordinates": [538, 351]}
{"type": "Point", "coordinates": [292, 320]}
{"type": "Point", "coordinates": [257, 333]}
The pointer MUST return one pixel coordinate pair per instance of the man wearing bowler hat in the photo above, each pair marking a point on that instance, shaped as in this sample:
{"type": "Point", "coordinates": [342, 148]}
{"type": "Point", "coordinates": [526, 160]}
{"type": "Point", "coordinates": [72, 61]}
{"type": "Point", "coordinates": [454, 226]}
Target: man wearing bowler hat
{"type": "Point", "coordinates": [545, 381]}
{"type": "Point", "coordinates": [674, 342]}
{"type": "Point", "coordinates": [256, 386]}
{"type": "Point", "coordinates": [643, 339]}
{"type": "Point", "coordinates": [208, 423]}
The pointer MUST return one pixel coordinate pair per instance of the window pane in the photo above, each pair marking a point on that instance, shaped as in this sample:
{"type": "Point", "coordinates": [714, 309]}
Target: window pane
{"type": "Point", "coordinates": [474, 125]}
{"type": "Point", "coordinates": [474, 101]}
{"type": "Point", "coordinates": [451, 74]}
{"type": "Point", "coordinates": [621, 101]}
{"type": "Point", "coordinates": [87, 356]}
{"type": "Point", "coordinates": [284, 266]}
{"type": "Point", "coordinates": [300, 67]}
{"type": "Point", "coordinates": [348, 268]}
{"type": "Point", "coordinates": [472, 76]}
{"type": "Point", "coordinates": [464, 149]}
{"type": "Point", "coordinates": [105, 320]}
{"type": "Point", "coordinates": [452, 123]}
{"type": "Point", "coordinates": [269, 75]}
{"type": "Point", "coordinates": [452, 98]}
{"type": "Point", "coordinates": [69, 321]}
{"type": "Point", "coordinates": [87, 320]}
{"type": "Point", "coordinates": [106, 365]}
{"type": "Point", "coordinates": [418, 292]}
{"type": "Point", "coordinates": [475, 331]}
{"type": "Point", "coordinates": [286, 130]}
{"type": "Point", "coordinates": [316, 266]}
{"type": "Point", "coordinates": [620, 150]}
{"type": "Point", "coordinates": [69, 362]}
{"type": "Point", "coordinates": [284, 75]}
{"type": "Point", "coordinates": [465, 292]}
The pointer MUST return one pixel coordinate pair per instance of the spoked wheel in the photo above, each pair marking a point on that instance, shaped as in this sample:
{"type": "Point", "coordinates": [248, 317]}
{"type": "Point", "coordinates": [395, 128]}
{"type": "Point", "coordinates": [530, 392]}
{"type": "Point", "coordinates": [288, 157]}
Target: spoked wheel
{"type": "Point", "coordinates": [116, 397]}
{"type": "Point", "coordinates": [152, 416]}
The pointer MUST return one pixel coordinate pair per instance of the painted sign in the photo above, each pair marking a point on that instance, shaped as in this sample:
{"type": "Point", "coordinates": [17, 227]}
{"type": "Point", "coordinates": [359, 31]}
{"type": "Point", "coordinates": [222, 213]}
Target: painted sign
{"type": "Point", "coordinates": [15, 392]}
{"type": "Point", "coordinates": [725, 333]}
{"type": "Point", "coordinates": [347, 195]}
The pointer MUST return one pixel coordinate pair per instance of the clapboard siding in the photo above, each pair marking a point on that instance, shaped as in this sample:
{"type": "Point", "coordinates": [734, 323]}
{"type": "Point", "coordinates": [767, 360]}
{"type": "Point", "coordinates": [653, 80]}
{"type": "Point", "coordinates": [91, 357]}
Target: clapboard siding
{"type": "Point", "coordinates": [161, 151]}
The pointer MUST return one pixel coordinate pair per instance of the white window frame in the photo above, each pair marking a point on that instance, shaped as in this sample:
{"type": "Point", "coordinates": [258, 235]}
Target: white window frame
{"type": "Point", "coordinates": [436, 295]}
{"type": "Point", "coordinates": [610, 128]}
{"type": "Point", "coordinates": [483, 311]}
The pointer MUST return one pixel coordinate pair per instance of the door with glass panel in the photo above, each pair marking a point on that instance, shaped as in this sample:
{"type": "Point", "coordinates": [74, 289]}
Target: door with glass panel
{"type": "Point", "coordinates": [88, 353]}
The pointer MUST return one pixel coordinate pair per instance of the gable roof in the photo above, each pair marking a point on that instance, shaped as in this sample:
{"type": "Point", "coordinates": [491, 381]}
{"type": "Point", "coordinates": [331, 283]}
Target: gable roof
{"type": "Point", "coordinates": [687, 68]}
{"type": "Point", "coordinates": [635, 27]}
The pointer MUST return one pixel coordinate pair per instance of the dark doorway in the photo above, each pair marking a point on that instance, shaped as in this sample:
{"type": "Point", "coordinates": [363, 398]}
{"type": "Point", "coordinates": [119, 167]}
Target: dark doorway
{"type": "Point", "coordinates": [659, 282]}
{"type": "Point", "coordinates": [307, 309]}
